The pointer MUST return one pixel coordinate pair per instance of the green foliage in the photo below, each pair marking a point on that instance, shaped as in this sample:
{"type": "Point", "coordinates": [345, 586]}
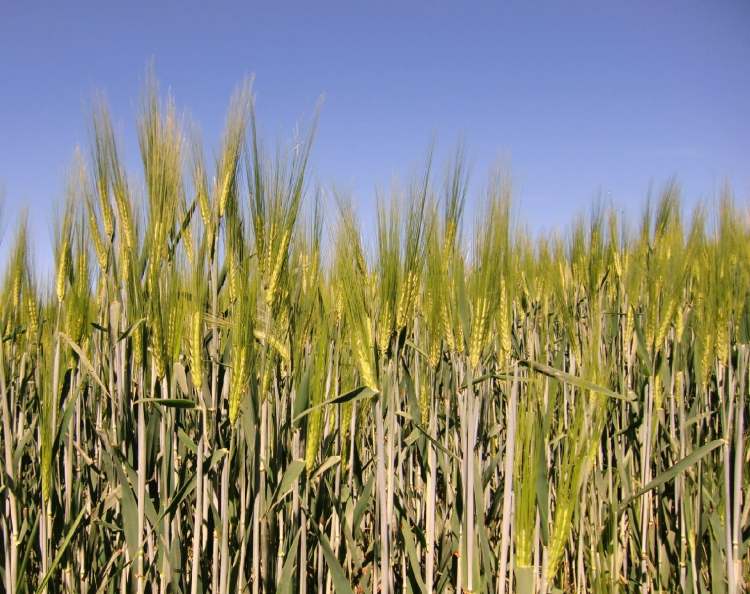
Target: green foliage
{"type": "Point", "coordinates": [214, 393]}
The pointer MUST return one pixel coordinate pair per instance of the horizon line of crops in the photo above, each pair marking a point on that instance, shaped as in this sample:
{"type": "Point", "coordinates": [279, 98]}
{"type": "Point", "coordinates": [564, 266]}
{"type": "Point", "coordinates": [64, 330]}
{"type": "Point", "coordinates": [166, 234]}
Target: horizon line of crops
{"type": "Point", "coordinates": [213, 395]}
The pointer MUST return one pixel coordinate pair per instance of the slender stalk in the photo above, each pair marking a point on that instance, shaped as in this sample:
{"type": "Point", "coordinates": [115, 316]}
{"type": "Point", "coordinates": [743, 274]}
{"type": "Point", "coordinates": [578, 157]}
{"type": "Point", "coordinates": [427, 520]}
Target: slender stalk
{"type": "Point", "coordinates": [430, 504]}
{"type": "Point", "coordinates": [224, 498]}
{"type": "Point", "coordinates": [11, 508]}
{"type": "Point", "coordinates": [139, 565]}
{"type": "Point", "coordinates": [197, 515]}
{"type": "Point", "coordinates": [382, 499]}
{"type": "Point", "coordinates": [510, 448]}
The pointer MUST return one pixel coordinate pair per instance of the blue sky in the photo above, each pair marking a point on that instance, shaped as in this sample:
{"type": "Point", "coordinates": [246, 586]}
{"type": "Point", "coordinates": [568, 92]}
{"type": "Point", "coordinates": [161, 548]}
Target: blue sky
{"type": "Point", "coordinates": [575, 99]}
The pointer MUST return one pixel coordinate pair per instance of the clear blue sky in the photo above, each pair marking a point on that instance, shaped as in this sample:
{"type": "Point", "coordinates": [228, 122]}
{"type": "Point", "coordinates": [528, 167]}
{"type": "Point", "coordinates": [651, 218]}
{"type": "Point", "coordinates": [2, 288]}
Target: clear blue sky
{"type": "Point", "coordinates": [577, 99]}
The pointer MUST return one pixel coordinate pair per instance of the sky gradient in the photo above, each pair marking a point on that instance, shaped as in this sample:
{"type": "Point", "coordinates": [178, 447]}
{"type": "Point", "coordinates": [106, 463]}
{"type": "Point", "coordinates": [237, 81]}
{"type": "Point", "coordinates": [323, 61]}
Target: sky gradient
{"type": "Point", "coordinates": [575, 99]}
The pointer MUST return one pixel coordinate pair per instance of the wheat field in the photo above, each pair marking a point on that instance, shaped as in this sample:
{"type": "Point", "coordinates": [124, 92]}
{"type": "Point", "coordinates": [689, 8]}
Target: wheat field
{"type": "Point", "coordinates": [221, 391]}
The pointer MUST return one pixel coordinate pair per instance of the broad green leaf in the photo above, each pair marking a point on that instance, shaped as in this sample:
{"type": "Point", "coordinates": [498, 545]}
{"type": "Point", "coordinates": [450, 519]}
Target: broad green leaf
{"type": "Point", "coordinates": [542, 488]}
{"type": "Point", "coordinates": [327, 464]}
{"type": "Point", "coordinates": [302, 395]}
{"type": "Point", "coordinates": [362, 504]}
{"type": "Point", "coordinates": [183, 403]}
{"type": "Point", "coordinates": [340, 583]}
{"type": "Point", "coordinates": [60, 552]}
{"type": "Point", "coordinates": [291, 474]}
{"type": "Point", "coordinates": [673, 471]}
{"type": "Point", "coordinates": [129, 514]}
{"type": "Point", "coordinates": [411, 553]}
{"type": "Point", "coordinates": [351, 396]}
{"type": "Point", "coordinates": [130, 329]}
{"type": "Point", "coordinates": [287, 583]}
{"type": "Point", "coordinates": [84, 361]}
{"type": "Point", "coordinates": [26, 552]}
{"type": "Point", "coordinates": [573, 380]}
{"type": "Point", "coordinates": [524, 580]}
